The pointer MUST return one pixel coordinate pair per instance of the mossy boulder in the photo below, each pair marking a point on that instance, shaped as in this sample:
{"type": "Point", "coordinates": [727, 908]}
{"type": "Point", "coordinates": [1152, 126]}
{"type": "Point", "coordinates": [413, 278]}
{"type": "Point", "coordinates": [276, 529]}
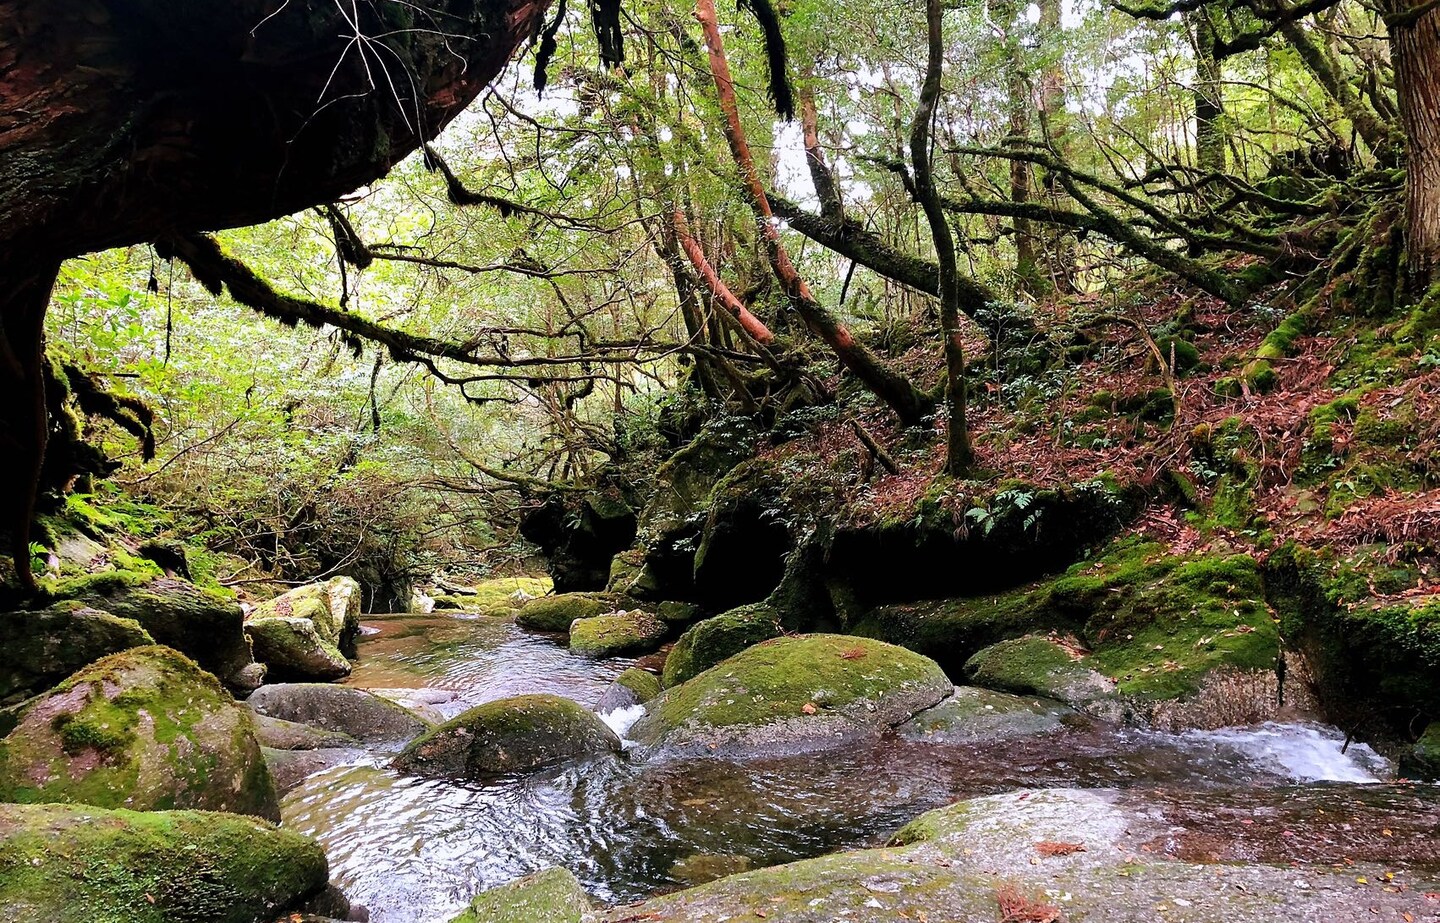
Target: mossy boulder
{"type": "Point", "coordinates": [1374, 653]}
{"type": "Point", "coordinates": [632, 687]}
{"type": "Point", "coordinates": [360, 714]}
{"type": "Point", "coordinates": [791, 695]}
{"type": "Point", "coordinates": [718, 638]}
{"type": "Point", "coordinates": [974, 715]}
{"type": "Point", "coordinates": [1422, 760]}
{"type": "Point", "coordinates": [204, 626]}
{"type": "Point", "coordinates": [555, 613]}
{"type": "Point", "coordinates": [80, 864]}
{"type": "Point", "coordinates": [144, 729]}
{"type": "Point", "coordinates": [630, 631]}
{"type": "Point", "coordinates": [333, 607]}
{"type": "Point", "coordinates": [517, 734]}
{"type": "Point", "coordinates": [552, 896]}
{"type": "Point", "coordinates": [1043, 666]}
{"type": "Point", "coordinates": [294, 650]}
{"type": "Point", "coordinates": [43, 647]}
{"type": "Point", "coordinates": [624, 568]}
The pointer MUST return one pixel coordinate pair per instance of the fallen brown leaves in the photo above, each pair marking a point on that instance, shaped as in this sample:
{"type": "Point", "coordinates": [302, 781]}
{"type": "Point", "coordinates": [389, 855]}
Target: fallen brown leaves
{"type": "Point", "coordinates": [1049, 848]}
{"type": "Point", "coordinates": [853, 653]}
{"type": "Point", "coordinates": [1017, 908]}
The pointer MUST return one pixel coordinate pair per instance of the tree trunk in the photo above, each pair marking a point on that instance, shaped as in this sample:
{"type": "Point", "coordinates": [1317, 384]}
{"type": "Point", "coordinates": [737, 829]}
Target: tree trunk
{"type": "Point", "coordinates": [1059, 245]}
{"type": "Point", "coordinates": [897, 392]}
{"type": "Point", "coordinates": [1210, 137]}
{"type": "Point", "coordinates": [1415, 50]}
{"type": "Point", "coordinates": [24, 427]}
{"type": "Point", "coordinates": [959, 456]}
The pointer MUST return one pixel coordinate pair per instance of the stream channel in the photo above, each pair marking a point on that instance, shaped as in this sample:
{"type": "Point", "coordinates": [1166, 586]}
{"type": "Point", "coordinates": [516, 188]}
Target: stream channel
{"type": "Point", "coordinates": [416, 850]}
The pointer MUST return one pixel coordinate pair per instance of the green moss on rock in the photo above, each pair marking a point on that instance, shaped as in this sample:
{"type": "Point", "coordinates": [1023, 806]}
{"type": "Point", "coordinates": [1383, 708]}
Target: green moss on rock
{"type": "Point", "coordinates": [333, 607]}
{"type": "Point", "coordinates": [555, 613]}
{"type": "Point", "coordinates": [790, 695]}
{"type": "Point", "coordinates": [551, 896]}
{"type": "Point", "coordinates": [517, 734]}
{"type": "Point", "coordinates": [73, 864]}
{"type": "Point", "coordinates": [626, 632]}
{"type": "Point", "coordinates": [204, 626]}
{"type": "Point", "coordinates": [715, 639]}
{"type": "Point", "coordinates": [1422, 761]}
{"type": "Point", "coordinates": [1042, 666]}
{"type": "Point", "coordinates": [145, 729]}
{"type": "Point", "coordinates": [41, 648]}
{"type": "Point", "coordinates": [293, 649]}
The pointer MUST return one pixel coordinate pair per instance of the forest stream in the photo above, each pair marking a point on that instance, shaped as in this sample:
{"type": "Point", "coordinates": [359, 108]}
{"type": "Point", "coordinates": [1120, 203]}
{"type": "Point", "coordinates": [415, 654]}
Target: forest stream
{"type": "Point", "coordinates": [417, 850]}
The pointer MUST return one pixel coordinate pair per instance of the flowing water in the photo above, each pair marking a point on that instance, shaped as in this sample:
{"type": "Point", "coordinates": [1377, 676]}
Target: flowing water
{"type": "Point", "coordinates": [417, 850]}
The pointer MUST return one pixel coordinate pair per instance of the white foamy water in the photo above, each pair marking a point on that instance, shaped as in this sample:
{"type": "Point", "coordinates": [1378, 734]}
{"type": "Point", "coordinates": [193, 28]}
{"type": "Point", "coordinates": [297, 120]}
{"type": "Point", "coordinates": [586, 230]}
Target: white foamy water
{"type": "Point", "coordinates": [1305, 752]}
{"type": "Point", "coordinates": [620, 719]}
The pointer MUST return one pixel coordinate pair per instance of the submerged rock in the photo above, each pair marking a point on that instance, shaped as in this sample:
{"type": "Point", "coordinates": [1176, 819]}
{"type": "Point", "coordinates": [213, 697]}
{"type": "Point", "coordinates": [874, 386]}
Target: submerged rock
{"type": "Point", "coordinates": [1043, 666]}
{"type": "Point", "coordinates": [145, 729]}
{"type": "Point", "coordinates": [41, 648]}
{"type": "Point", "coordinates": [356, 712]}
{"type": "Point", "coordinates": [633, 687]}
{"type": "Point", "coordinates": [333, 607]}
{"type": "Point", "coordinates": [715, 639]}
{"type": "Point", "coordinates": [80, 864]}
{"type": "Point", "coordinates": [291, 767]}
{"type": "Point", "coordinates": [791, 695]}
{"type": "Point", "coordinates": [551, 896]}
{"type": "Point", "coordinates": [555, 613]}
{"type": "Point", "coordinates": [202, 625]}
{"type": "Point", "coordinates": [294, 650]}
{"type": "Point", "coordinates": [1098, 856]}
{"type": "Point", "coordinates": [517, 734]}
{"type": "Point", "coordinates": [625, 632]}
{"type": "Point", "coordinates": [974, 715]}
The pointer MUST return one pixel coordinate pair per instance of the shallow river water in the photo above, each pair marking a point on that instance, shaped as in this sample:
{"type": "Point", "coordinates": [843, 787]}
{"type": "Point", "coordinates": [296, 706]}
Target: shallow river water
{"type": "Point", "coordinates": [416, 850]}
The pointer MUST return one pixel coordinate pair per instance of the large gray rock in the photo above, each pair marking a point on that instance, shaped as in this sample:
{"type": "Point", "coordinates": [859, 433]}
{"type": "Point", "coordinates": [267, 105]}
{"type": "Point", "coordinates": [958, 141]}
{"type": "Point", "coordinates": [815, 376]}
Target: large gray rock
{"type": "Point", "coordinates": [81, 864]}
{"type": "Point", "coordinates": [43, 647]}
{"type": "Point", "coordinates": [517, 734]}
{"type": "Point", "coordinates": [356, 712]}
{"type": "Point", "coordinates": [1096, 856]}
{"type": "Point", "coordinates": [144, 729]}
{"type": "Point", "coordinates": [791, 695]}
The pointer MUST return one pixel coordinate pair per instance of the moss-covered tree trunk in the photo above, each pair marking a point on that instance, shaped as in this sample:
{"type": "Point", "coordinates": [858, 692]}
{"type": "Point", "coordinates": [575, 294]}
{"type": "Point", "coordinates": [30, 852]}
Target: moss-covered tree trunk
{"type": "Point", "coordinates": [122, 123]}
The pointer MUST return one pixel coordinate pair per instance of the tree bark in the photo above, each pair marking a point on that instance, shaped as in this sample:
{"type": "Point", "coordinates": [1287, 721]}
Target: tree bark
{"type": "Point", "coordinates": [751, 324]}
{"type": "Point", "coordinates": [1415, 50]}
{"type": "Point", "coordinates": [1210, 137]}
{"type": "Point", "coordinates": [959, 455]}
{"type": "Point", "coordinates": [24, 426]}
{"type": "Point", "coordinates": [898, 393]}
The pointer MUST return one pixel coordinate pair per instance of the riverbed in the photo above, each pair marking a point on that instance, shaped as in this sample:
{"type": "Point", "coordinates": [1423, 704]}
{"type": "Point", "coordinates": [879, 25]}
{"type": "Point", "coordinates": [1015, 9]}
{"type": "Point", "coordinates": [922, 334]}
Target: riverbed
{"type": "Point", "coordinates": [416, 850]}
